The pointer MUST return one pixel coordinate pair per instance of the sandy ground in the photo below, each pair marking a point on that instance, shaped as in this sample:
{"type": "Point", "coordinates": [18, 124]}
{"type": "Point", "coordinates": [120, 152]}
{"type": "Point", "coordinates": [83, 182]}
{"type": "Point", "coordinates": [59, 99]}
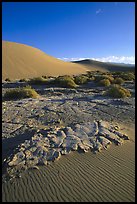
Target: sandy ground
{"type": "Point", "coordinates": [108, 176]}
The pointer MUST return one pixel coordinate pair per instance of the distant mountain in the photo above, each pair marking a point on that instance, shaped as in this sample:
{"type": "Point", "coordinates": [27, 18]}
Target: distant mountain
{"type": "Point", "coordinates": [105, 66]}
{"type": "Point", "coordinates": [128, 65]}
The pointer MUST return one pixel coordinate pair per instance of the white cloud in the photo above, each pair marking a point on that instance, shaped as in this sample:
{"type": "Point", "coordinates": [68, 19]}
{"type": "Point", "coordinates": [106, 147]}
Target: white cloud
{"type": "Point", "coordinates": [117, 59]}
{"type": "Point", "coordinates": [98, 11]}
{"type": "Point", "coordinates": [72, 58]}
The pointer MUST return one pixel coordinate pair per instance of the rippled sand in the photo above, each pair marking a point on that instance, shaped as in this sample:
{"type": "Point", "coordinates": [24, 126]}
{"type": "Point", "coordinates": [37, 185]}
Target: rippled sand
{"type": "Point", "coordinates": [108, 176]}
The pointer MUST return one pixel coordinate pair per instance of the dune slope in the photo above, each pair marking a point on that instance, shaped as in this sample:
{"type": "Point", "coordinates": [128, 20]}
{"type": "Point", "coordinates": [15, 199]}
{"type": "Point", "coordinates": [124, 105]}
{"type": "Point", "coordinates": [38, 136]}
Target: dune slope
{"type": "Point", "coordinates": [19, 61]}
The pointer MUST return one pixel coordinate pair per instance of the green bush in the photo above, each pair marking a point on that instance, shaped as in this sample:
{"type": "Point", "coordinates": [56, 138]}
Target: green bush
{"type": "Point", "coordinates": [20, 93]}
{"type": "Point", "coordinates": [81, 79]}
{"type": "Point", "coordinates": [65, 81]}
{"type": "Point", "coordinates": [118, 91]}
{"type": "Point", "coordinates": [104, 82]}
{"type": "Point", "coordinates": [118, 80]}
{"type": "Point", "coordinates": [38, 81]}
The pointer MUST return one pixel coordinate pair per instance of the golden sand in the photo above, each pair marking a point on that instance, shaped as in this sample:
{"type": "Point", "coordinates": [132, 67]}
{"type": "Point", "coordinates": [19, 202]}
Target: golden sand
{"type": "Point", "coordinates": [22, 61]}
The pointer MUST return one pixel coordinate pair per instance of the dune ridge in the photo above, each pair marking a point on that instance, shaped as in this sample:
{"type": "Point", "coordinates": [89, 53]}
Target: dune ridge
{"type": "Point", "coordinates": [19, 61]}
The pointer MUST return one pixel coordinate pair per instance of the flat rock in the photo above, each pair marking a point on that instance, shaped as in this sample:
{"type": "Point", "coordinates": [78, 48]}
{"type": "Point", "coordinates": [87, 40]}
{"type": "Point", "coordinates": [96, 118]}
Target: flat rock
{"type": "Point", "coordinates": [104, 141]}
{"type": "Point", "coordinates": [48, 146]}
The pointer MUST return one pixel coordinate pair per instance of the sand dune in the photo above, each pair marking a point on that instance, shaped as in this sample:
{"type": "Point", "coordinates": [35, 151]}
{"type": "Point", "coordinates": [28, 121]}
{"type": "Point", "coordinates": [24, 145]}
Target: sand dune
{"type": "Point", "coordinates": [108, 176]}
{"type": "Point", "coordinates": [104, 66]}
{"type": "Point", "coordinates": [19, 61]}
{"type": "Point", "coordinates": [23, 61]}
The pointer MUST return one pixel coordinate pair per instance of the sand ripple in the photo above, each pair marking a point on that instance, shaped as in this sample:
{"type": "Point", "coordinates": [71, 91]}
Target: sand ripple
{"type": "Point", "coordinates": [108, 176]}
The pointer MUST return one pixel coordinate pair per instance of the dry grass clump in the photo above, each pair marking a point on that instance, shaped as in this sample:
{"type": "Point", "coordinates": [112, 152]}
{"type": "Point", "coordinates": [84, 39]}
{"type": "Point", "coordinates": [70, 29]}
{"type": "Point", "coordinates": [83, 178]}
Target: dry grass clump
{"type": "Point", "coordinates": [65, 81]}
{"type": "Point", "coordinates": [81, 79]}
{"type": "Point", "coordinates": [20, 93]}
{"type": "Point", "coordinates": [38, 81]}
{"type": "Point", "coordinates": [104, 82]}
{"type": "Point", "coordinates": [117, 91]}
{"type": "Point", "coordinates": [118, 80]}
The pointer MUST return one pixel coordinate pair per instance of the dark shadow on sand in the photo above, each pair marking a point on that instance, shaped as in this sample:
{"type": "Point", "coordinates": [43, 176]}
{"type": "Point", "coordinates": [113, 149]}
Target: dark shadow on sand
{"type": "Point", "coordinates": [9, 145]}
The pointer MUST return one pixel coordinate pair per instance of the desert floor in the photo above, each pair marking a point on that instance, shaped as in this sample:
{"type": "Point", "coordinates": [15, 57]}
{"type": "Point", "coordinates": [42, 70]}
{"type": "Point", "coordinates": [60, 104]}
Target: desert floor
{"type": "Point", "coordinates": [108, 176]}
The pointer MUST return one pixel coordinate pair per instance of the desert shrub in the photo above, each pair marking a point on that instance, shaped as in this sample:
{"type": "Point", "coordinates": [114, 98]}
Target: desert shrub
{"type": "Point", "coordinates": [101, 77]}
{"type": "Point", "coordinates": [109, 77]}
{"type": "Point", "coordinates": [116, 73]}
{"type": "Point", "coordinates": [89, 74]}
{"type": "Point", "coordinates": [81, 79]}
{"type": "Point", "coordinates": [38, 81]}
{"type": "Point", "coordinates": [118, 80]}
{"type": "Point", "coordinates": [7, 79]}
{"type": "Point", "coordinates": [92, 78]}
{"type": "Point", "coordinates": [128, 76]}
{"type": "Point", "coordinates": [98, 78]}
{"type": "Point", "coordinates": [104, 82]}
{"type": "Point", "coordinates": [66, 77]}
{"type": "Point", "coordinates": [118, 91]}
{"type": "Point", "coordinates": [98, 72]}
{"type": "Point", "coordinates": [20, 93]}
{"type": "Point", "coordinates": [45, 77]}
{"type": "Point", "coordinates": [65, 81]}
{"type": "Point", "coordinates": [23, 80]}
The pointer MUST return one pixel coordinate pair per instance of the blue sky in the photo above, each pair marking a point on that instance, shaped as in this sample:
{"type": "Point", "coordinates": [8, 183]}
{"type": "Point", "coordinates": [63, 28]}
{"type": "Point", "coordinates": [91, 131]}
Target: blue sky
{"type": "Point", "coordinates": [73, 30]}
